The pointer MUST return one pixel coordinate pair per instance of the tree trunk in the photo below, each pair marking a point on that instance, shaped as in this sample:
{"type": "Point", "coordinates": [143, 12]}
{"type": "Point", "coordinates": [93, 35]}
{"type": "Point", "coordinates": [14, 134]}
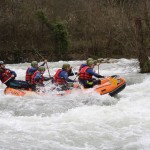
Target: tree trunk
{"type": "Point", "coordinates": [143, 58]}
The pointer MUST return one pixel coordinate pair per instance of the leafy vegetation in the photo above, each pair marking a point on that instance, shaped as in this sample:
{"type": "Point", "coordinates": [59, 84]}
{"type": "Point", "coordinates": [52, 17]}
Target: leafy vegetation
{"type": "Point", "coordinates": [72, 29]}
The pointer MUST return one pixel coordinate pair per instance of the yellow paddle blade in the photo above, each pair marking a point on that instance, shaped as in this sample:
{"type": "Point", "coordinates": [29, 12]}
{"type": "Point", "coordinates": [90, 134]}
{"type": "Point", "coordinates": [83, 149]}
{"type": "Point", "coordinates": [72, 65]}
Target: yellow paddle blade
{"type": "Point", "coordinates": [113, 81]}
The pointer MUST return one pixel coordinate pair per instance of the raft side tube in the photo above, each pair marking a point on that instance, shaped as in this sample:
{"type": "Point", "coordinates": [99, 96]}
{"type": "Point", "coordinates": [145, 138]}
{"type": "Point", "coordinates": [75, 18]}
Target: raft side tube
{"type": "Point", "coordinates": [116, 91]}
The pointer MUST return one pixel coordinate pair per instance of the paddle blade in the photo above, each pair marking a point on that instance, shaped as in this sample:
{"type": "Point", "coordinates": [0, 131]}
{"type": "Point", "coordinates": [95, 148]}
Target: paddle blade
{"type": "Point", "coordinates": [113, 81]}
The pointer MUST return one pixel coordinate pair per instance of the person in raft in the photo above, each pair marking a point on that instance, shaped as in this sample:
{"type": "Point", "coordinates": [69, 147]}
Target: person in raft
{"type": "Point", "coordinates": [85, 64]}
{"type": "Point", "coordinates": [31, 70]}
{"type": "Point", "coordinates": [86, 73]}
{"type": "Point", "coordinates": [61, 78]}
{"type": "Point", "coordinates": [8, 76]}
{"type": "Point", "coordinates": [37, 78]}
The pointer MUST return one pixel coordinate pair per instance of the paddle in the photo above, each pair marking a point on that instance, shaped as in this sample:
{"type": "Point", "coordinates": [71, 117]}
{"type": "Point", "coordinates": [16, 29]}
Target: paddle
{"type": "Point", "coordinates": [48, 69]}
{"type": "Point", "coordinates": [76, 84]}
{"type": "Point", "coordinates": [98, 64]}
{"type": "Point", "coordinates": [76, 75]}
{"type": "Point", "coordinates": [112, 80]}
{"type": "Point", "coordinates": [98, 68]}
{"type": "Point", "coordinates": [43, 59]}
{"type": "Point", "coordinates": [7, 80]}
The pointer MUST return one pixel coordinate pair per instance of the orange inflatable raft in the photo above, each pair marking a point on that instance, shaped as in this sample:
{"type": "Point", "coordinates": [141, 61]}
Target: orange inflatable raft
{"type": "Point", "coordinates": [110, 85]}
{"type": "Point", "coordinates": [19, 92]}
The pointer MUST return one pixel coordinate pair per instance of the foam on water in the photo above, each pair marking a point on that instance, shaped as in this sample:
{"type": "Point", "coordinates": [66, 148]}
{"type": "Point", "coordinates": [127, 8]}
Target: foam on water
{"type": "Point", "coordinates": [79, 121]}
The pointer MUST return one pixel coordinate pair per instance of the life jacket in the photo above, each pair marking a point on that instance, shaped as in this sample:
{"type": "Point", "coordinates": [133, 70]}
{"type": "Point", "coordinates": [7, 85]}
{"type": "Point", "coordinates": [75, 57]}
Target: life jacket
{"type": "Point", "coordinates": [28, 75]}
{"type": "Point", "coordinates": [58, 79]}
{"type": "Point", "coordinates": [82, 66]}
{"type": "Point", "coordinates": [5, 75]}
{"type": "Point", "coordinates": [33, 82]}
{"type": "Point", "coordinates": [84, 75]}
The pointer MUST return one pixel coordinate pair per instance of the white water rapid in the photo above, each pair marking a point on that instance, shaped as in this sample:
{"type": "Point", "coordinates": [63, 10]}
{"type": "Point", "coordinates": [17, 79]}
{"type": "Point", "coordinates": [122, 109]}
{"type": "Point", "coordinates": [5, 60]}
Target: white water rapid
{"type": "Point", "coordinates": [76, 121]}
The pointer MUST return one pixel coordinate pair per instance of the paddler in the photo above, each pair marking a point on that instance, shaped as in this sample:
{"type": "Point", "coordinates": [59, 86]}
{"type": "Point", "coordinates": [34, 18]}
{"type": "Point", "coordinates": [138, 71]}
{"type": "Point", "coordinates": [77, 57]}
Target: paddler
{"type": "Point", "coordinates": [8, 76]}
{"type": "Point", "coordinates": [37, 79]}
{"type": "Point", "coordinates": [86, 73]}
{"type": "Point", "coordinates": [85, 64]}
{"type": "Point", "coordinates": [32, 69]}
{"type": "Point", "coordinates": [61, 78]}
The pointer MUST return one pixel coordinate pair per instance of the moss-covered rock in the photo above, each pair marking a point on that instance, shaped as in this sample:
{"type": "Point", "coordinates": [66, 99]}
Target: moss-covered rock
{"type": "Point", "coordinates": [146, 67]}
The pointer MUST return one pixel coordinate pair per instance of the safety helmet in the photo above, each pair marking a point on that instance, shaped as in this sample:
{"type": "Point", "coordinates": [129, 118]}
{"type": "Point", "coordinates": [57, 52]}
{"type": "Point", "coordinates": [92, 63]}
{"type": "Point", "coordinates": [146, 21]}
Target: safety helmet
{"type": "Point", "coordinates": [90, 63]}
{"type": "Point", "coordinates": [34, 63]}
{"type": "Point", "coordinates": [65, 66]}
{"type": "Point", "coordinates": [1, 62]}
{"type": "Point", "coordinates": [41, 68]}
{"type": "Point", "coordinates": [89, 59]}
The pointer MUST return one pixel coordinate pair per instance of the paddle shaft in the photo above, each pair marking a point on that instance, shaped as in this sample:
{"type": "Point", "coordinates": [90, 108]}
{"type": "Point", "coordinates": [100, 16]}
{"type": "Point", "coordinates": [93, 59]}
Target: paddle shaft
{"type": "Point", "coordinates": [48, 70]}
{"type": "Point", "coordinates": [39, 54]}
{"type": "Point", "coordinates": [7, 80]}
{"type": "Point", "coordinates": [98, 68]}
{"type": "Point", "coordinates": [44, 59]}
{"type": "Point", "coordinates": [74, 74]}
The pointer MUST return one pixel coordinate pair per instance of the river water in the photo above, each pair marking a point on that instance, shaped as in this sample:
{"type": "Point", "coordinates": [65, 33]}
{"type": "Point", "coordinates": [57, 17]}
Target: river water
{"type": "Point", "coordinates": [77, 121]}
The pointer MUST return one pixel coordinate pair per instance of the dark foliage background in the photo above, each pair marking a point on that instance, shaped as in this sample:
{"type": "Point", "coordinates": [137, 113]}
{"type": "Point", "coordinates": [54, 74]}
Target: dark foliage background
{"type": "Point", "coordinates": [71, 29]}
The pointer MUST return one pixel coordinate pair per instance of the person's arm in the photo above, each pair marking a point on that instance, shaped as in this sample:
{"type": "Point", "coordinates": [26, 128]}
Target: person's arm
{"type": "Point", "coordinates": [91, 72]}
{"type": "Point", "coordinates": [31, 70]}
{"type": "Point", "coordinates": [37, 77]}
{"type": "Point", "coordinates": [48, 78]}
{"type": "Point", "coordinates": [45, 61]}
{"type": "Point", "coordinates": [64, 75]}
{"type": "Point", "coordinates": [71, 73]}
{"type": "Point", "coordinates": [69, 80]}
{"type": "Point", "coordinates": [42, 64]}
{"type": "Point", "coordinates": [12, 72]}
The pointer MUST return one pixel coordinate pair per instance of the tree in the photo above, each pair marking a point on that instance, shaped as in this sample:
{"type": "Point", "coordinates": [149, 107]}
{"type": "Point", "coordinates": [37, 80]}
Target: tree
{"type": "Point", "coordinates": [143, 58]}
{"type": "Point", "coordinates": [59, 33]}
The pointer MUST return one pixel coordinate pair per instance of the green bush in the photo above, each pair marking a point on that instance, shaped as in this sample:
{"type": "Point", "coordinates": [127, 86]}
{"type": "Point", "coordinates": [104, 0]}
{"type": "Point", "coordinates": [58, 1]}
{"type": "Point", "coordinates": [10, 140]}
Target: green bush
{"type": "Point", "coordinates": [59, 33]}
{"type": "Point", "coordinates": [61, 38]}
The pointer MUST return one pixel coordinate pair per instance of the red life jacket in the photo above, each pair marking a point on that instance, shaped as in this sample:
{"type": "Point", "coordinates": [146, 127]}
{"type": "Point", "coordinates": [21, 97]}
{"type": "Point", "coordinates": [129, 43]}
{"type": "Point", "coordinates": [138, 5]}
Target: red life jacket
{"type": "Point", "coordinates": [84, 75]}
{"type": "Point", "coordinates": [5, 75]}
{"type": "Point", "coordinates": [28, 76]}
{"type": "Point", "coordinates": [33, 80]}
{"type": "Point", "coordinates": [57, 79]}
